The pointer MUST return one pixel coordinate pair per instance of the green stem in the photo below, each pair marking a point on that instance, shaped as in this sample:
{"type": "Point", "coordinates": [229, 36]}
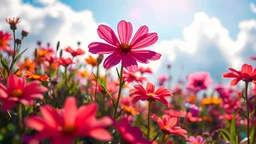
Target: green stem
{"type": "Point", "coordinates": [20, 123]}
{"type": "Point", "coordinates": [14, 53]}
{"type": "Point", "coordinates": [247, 112]}
{"type": "Point", "coordinates": [96, 86]}
{"type": "Point", "coordinates": [149, 110]}
{"type": "Point", "coordinates": [119, 91]}
{"type": "Point", "coordinates": [162, 140]}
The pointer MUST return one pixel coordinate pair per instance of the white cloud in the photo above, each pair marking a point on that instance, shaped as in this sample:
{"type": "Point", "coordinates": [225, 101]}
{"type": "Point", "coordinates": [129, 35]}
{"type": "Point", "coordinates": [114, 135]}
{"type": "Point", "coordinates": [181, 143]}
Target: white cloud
{"type": "Point", "coordinates": [50, 23]}
{"type": "Point", "coordinates": [253, 7]}
{"type": "Point", "coordinates": [46, 2]}
{"type": "Point", "coordinates": [207, 46]}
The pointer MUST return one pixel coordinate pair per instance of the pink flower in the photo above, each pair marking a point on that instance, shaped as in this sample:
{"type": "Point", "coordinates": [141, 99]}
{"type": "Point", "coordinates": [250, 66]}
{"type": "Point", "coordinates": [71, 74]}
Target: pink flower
{"type": "Point", "coordinates": [132, 76]}
{"type": "Point", "coordinates": [129, 52]}
{"type": "Point", "coordinates": [168, 125]}
{"type": "Point", "coordinates": [199, 81]}
{"type": "Point", "coordinates": [18, 90]}
{"type": "Point", "coordinates": [139, 93]}
{"type": "Point", "coordinates": [62, 127]}
{"type": "Point", "coordinates": [196, 140]}
{"type": "Point", "coordinates": [130, 134]}
{"type": "Point", "coordinates": [162, 79]}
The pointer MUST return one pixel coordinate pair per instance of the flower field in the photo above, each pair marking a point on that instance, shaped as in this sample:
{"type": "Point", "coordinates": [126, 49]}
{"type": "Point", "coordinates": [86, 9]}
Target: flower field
{"type": "Point", "coordinates": [52, 97]}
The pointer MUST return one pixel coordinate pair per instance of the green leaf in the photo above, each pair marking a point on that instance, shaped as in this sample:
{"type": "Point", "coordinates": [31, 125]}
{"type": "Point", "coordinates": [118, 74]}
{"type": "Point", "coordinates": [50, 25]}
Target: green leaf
{"type": "Point", "coordinates": [4, 64]}
{"type": "Point", "coordinates": [252, 134]}
{"type": "Point", "coordinates": [18, 56]}
{"type": "Point", "coordinates": [232, 129]}
{"type": "Point", "coordinates": [225, 134]}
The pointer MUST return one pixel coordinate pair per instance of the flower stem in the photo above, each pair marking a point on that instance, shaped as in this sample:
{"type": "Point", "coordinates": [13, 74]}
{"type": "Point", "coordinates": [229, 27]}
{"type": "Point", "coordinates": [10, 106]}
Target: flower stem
{"type": "Point", "coordinates": [14, 53]}
{"type": "Point", "coordinates": [96, 86]}
{"type": "Point", "coordinates": [149, 111]}
{"type": "Point", "coordinates": [162, 140]}
{"type": "Point", "coordinates": [119, 91]}
{"type": "Point", "coordinates": [247, 112]}
{"type": "Point", "coordinates": [20, 123]}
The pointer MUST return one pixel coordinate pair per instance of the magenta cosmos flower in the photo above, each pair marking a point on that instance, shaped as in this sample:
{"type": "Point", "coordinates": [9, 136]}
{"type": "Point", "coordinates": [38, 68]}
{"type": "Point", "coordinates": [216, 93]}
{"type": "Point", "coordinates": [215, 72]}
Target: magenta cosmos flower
{"type": "Point", "coordinates": [63, 126]}
{"type": "Point", "coordinates": [131, 135]}
{"type": "Point", "coordinates": [18, 90]}
{"type": "Point", "coordinates": [122, 49]}
{"type": "Point", "coordinates": [139, 93]}
{"type": "Point", "coordinates": [196, 140]}
{"type": "Point", "coordinates": [199, 81]}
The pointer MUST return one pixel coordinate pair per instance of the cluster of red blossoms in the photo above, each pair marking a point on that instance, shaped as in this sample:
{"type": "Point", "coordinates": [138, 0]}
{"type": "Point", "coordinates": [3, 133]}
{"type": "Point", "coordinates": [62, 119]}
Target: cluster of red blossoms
{"type": "Point", "coordinates": [49, 98]}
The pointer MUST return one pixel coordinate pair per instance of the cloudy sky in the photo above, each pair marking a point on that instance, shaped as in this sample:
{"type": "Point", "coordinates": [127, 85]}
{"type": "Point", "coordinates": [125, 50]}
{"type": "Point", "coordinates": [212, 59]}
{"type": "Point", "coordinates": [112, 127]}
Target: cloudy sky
{"type": "Point", "coordinates": [194, 35]}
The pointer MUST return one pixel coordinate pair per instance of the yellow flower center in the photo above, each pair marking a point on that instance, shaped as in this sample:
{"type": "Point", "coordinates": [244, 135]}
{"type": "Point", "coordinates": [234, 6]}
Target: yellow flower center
{"type": "Point", "coordinates": [17, 93]}
{"type": "Point", "coordinates": [68, 129]}
{"type": "Point", "coordinates": [125, 47]}
{"type": "Point", "coordinates": [151, 94]}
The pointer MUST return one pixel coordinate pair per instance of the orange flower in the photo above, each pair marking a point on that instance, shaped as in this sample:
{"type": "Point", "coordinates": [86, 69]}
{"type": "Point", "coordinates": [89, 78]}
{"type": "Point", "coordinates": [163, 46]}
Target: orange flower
{"type": "Point", "coordinates": [130, 110]}
{"type": "Point", "coordinates": [192, 99]}
{"type": "Point", "coordinates": [30, 75]}
{"type": "Point", "coordinates": [83, 74]}
{"type": "Point", "coordinates": [211, 100]}
{"type": "Point", "coordinates": [13, 22]}
{"type": "Point", "coordinates": [91, 61]}
{"type": "Point", "coordinates": [28, 65]}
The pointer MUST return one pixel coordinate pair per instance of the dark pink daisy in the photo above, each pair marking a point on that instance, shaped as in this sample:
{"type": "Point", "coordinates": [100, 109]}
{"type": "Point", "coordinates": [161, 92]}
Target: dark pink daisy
{"type": "Point", "coordinates": [199, 81]}
{"type": "Point", "coordinates": [124, 49]}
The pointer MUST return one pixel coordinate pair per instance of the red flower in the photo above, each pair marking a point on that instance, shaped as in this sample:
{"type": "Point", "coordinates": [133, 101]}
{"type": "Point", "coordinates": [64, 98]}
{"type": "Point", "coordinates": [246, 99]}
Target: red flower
{"type": "Point", "coordinates": [125, 50]}
{"type": "Point", "coordinates": [168, 125]}
{"type": "Point", "coordinates": [199, 81]}
{"type": "Point", "coordinates": [4, 39]}
{"type": "Point", "coordinates": [18, 90]}
{"type": "Point", "coordinates": [65, 61]}
{"type": "Point", "coordinates": [131, 76]}
{"type": "Point", "coordinates": [130, 134]}
{"type": "Point", "coordinates": [62, 127]}
{"type": "Point", "coordinates": [139, 93]}
{"type": "Point", "coordinates": [247, 74]}
{"type": "Point", "coordinates": [74, 53]}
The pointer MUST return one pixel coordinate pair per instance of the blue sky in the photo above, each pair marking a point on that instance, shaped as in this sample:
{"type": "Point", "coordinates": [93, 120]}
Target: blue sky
{"type": "Point", "coordinates": [229, 12]}
{"type": "Point", "coordinates": [194, 35]}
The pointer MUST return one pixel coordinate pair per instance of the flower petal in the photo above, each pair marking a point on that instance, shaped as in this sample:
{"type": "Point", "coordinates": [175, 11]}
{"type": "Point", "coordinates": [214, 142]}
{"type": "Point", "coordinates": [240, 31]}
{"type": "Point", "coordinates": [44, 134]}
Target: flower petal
{"type": "Point", "coordinates": [112, 60]}
{"type": "Point", "coordinates": [107, 34]}
{"type": "Point", "coordinates": [124, 31]}
{"type": "Point", "coordinates": [70, 111]}
{"type": "Point", "coordinates": [144, 55]}
{"type": "Point", "coordinates": [100, 48]}
{"type": "Point", "coordinates": [150, 87]}
{"type": "Point", "coordinates": [129, 63]}
{"type": "Point", "coordinates": [100, 134]}
{"type": "Point", "coordinates": [143, 30]}
{"type": "Point", "coordinates": [145, 41]}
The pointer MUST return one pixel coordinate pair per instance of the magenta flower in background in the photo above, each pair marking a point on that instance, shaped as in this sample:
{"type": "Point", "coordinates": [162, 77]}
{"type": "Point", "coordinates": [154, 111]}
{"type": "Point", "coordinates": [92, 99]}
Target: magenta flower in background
{"type": "Point", "coordinates": [63, 126]}
{"type": "Point", "coordinates": [122, 49]}
{"type": "Point", "coordinates": [130, 134]}
{"type": "Point", "coordinates": [196, 140]}
{"type": "Point", "coordinates": [162, 79]}
{"type": "Point", "coordinates": [18, 90]}
{"type": "Point", "coordinates": [199, 81]}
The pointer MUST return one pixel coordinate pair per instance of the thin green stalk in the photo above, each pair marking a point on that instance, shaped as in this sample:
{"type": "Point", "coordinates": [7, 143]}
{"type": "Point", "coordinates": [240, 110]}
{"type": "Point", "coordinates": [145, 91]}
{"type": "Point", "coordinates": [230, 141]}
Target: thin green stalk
{"type": "Point", "coordinates": [119, 91]}
{"type": "Point", "coordinates": [247, 112]}
{"type": "Point", "coordinates": [162, 140]}
{"type": "Point", "coordinates": [97, 76]}
{"type": "Point", "coordinates": [149, 111]}
{"type": "Point", "coordinates": [20, 123]}
{"type": "Point", "coordinates": [14, 53]}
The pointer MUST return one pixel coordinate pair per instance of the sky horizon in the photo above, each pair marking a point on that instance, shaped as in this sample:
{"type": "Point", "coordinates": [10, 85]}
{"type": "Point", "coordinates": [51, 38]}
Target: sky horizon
{"type": "Point", "coordinates": [194, 35]}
